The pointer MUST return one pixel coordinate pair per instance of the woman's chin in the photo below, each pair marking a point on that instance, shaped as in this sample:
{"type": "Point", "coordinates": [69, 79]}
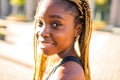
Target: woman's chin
{"type": "Point", "coordinates": [46, 52]}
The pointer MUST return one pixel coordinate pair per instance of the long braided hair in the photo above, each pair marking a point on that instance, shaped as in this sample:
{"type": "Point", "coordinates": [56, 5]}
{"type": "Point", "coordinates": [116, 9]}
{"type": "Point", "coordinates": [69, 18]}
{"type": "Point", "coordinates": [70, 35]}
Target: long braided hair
{"type": "Point", "coordinates": [83, 41]}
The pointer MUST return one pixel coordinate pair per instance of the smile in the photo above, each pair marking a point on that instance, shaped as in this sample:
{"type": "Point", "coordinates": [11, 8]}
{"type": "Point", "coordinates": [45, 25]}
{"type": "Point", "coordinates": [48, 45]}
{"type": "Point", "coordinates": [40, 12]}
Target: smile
{"type": "Point", "coordinates": [45, 45]}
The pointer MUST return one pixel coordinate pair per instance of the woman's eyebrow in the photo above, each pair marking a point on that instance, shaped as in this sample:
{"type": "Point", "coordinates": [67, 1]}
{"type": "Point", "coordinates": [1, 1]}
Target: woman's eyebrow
{"type": "Point", "coordinates": [56, 16]}
{"type": "Point", "coordinates": [39, 18]}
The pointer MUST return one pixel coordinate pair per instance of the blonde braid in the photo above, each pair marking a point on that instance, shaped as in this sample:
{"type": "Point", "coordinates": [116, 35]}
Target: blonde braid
{"type": "Point", "coordinates": [85, 39]}
{"type": "Point", "coordinates": [83, 7]}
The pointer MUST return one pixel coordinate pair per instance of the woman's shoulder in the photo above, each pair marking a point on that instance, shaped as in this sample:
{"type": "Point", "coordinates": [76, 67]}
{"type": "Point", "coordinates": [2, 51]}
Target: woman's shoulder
{"type": "Point", "coordinates": [70, 71]}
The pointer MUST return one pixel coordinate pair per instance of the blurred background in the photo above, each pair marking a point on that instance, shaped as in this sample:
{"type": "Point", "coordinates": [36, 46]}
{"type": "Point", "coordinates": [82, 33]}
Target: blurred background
{"type": "Point", "coordinates": [16, 39]}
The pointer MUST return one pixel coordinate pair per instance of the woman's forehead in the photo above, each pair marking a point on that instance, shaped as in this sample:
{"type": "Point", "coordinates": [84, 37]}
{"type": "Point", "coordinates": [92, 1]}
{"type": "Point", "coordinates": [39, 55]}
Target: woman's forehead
{"type": "Point", "coordinates": [45, 3]}
{"type": "Point", "coordinates": [42, 6]}
{"type": "Point", "coordinates": [50, 8]}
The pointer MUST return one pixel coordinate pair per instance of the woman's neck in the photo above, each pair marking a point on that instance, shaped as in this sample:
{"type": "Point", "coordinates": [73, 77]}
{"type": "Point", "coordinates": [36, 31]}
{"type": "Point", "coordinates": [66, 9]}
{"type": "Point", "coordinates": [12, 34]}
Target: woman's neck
{"type": "Point", "coordinates": [68, 52]}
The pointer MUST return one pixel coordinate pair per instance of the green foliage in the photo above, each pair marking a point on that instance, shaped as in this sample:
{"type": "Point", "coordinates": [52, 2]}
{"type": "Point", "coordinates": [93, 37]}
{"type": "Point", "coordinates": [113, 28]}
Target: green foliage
{"type": "Point", "coordinates": [101, 2]}
{"type": "Point", "coordinates": [2, 36]}
{"type": "Point", "coordinates": [2, 32]}
{"type": "Point", "coordinates": [17, 2]}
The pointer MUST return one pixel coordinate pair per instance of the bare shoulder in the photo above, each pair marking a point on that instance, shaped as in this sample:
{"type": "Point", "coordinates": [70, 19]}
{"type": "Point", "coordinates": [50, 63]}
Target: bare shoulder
{"type": "Point", "coordinates": [70, 71]}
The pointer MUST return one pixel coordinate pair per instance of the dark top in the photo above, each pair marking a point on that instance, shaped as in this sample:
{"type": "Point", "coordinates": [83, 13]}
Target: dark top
{"type": "Point", "coordinates": [66, 59]}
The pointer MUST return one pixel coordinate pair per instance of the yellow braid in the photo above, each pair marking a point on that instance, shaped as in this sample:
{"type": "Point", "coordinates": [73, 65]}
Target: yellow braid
{"type": "Point", "coordinates": [83, 7]}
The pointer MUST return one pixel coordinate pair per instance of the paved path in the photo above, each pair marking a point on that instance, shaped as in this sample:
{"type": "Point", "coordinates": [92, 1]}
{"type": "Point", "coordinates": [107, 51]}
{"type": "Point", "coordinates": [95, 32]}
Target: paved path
{"type": "Point", "coordinates": [16, 54]}
{"type": "Point", "coordinates": [105, 56]}
{"type": "Point", "coordinates": [10, 70]}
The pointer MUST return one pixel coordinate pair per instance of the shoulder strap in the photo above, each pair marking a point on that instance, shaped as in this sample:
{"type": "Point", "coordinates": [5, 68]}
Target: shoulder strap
{"type": "Point", "coordinates": [71, 58]}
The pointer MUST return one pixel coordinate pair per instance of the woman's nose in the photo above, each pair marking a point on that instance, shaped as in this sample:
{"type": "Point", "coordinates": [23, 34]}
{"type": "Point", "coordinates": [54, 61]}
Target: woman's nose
{"type": "Point", "coordinates": [44, 32]}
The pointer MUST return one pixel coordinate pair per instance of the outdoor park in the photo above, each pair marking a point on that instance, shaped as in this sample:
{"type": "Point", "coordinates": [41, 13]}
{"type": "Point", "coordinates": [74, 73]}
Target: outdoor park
{"type": "Point", "coordinates": [16, 40]}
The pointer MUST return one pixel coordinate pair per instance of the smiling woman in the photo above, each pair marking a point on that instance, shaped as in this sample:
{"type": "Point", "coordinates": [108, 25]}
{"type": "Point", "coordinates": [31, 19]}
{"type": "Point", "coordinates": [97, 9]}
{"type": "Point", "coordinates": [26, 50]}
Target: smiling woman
{"type": "Point", "coordinates": [58, 25]}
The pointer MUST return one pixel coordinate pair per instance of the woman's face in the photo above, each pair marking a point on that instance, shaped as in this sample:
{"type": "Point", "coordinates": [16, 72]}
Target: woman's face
{"type": "Point", "coordinates": [55, 29]}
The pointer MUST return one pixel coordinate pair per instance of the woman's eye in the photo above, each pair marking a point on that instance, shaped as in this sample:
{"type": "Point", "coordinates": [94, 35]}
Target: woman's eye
{"type": "Point", "coordinates": [56, 24]}
{"type": "Point", "coordinates": [40, 23]}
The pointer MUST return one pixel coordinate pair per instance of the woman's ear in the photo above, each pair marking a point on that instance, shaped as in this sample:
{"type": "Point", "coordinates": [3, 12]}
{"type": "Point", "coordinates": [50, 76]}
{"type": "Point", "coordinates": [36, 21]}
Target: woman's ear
{"type": "Point", "coordinates": [78, 30]}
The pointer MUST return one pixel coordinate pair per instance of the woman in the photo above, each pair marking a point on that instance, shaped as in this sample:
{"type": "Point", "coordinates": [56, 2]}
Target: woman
{"type": "Point", "coordinates": [62, 35]}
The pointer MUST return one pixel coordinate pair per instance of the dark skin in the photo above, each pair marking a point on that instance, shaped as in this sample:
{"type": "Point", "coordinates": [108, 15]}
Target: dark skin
{"type": "Point", "coordinates": [56, 32]}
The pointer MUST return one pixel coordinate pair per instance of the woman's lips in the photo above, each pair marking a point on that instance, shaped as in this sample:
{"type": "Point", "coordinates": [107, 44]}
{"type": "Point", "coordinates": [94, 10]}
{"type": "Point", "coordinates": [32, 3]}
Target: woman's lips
{"type": "Point", "coordinates": [45, 45]}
